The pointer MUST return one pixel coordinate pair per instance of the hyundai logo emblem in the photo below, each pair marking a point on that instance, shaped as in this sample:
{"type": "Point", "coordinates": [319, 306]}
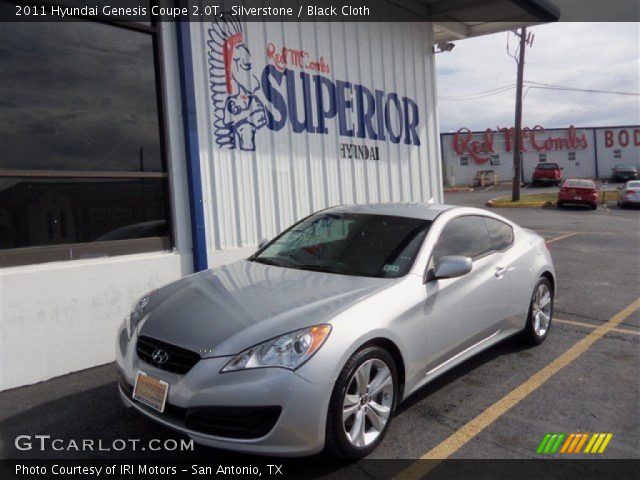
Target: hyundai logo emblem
{"type": "Point", "coordinates": [160, 357]}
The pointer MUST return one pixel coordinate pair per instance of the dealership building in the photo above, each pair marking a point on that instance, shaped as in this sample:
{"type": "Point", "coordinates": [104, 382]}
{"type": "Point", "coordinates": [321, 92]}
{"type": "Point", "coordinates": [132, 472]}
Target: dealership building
{"type": "Point", "coordinates": [581, 152]}
{"type": "Point", "coordinates": [134, 154]}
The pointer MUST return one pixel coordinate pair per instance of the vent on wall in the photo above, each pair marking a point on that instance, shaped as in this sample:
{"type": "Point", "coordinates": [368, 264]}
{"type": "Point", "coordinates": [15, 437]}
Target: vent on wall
{"type": "Point", "coordinates": [571, 156]}
{"type": "Point", "coordinates": [617, 154]}
{"type": "Point", "coordinates": [495, 159]}
{"type": "Point", "coordinates": [464, 161]}
{"type": "Point", "coordinates": [542, 157]}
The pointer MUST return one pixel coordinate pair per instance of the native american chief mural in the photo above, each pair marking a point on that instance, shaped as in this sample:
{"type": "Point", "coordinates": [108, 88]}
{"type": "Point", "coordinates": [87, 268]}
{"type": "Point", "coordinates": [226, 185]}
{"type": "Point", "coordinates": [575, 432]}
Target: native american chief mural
{"type": "Point", "coordinates": [238, 110]}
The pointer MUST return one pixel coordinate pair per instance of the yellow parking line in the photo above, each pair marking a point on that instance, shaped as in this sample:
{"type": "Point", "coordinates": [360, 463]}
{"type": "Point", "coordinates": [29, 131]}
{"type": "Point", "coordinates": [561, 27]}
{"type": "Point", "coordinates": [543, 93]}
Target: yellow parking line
{"type": "Point", "coordinates": [591, 325]}
{"type": "Point", "coordinates": [561, 237]}
{"type": "Point", "coordinates": [458, 439]}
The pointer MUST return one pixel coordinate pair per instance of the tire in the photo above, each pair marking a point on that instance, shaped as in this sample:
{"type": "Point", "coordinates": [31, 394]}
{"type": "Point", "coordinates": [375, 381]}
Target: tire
{"type": "Point", "coordinates": [338, 442]}
{"type": "Point", "coordinates": [594, 206]}
{"type": "Point", "coordinates": [536, 330]}
{"type": "Point", "coordinates": [560, 204]}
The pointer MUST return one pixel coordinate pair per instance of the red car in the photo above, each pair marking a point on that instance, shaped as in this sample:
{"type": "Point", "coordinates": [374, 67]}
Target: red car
{"type": "Point", "coordinates": [578, 192]}
{"type": "Point", "coordinates": [547, 172]}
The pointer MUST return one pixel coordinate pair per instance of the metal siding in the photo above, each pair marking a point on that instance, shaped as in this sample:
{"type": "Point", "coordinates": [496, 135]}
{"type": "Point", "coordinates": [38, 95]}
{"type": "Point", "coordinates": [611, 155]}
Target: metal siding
{"type": "Point", "coordinates": [630, 154]}
{"type": "Point", "coordinates": [251, 195]}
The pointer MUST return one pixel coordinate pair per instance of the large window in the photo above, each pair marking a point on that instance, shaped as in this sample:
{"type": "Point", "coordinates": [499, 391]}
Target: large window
{"type": "Point", "coordinates": [82, 164]}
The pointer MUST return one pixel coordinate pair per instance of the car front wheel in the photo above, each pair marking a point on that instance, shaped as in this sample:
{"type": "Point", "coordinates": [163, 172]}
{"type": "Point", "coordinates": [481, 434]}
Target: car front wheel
{"type": "Point", "coordinates": [540, 313]}
{"type": "Point", "coordinates": [362, 403]}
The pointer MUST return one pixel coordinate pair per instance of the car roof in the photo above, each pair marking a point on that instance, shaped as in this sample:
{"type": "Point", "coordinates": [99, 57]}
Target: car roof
{"type": "Point", "coordinates": [421, 210]}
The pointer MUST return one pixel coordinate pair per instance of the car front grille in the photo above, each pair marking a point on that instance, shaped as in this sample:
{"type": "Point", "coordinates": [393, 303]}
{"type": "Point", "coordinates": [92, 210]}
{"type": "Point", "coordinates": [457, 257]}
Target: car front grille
{"type": "Point", "coordinates": [179, 360]}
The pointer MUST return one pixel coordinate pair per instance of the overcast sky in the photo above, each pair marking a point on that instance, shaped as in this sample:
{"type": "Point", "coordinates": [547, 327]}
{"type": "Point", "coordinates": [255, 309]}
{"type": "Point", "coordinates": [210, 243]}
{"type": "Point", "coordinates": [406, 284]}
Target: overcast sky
{"type": "Point", "coordinates": [598, 56]}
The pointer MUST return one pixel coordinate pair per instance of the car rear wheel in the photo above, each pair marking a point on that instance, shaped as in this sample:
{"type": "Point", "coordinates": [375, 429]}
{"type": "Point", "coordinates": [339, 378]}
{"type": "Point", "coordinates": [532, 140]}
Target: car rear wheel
{"type": "Point", "coordinates": [540, 313]}
{"type": "Point", "coordinates": [594, 206]}
{"type": "Point", "coordinates": [362, 403]}
{"type": "Point", "coordinates": [560, 204]}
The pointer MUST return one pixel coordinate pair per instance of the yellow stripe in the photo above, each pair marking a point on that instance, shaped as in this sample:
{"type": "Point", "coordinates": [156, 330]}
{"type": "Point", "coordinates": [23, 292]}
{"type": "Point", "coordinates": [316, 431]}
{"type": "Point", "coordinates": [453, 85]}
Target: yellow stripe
{"type": "Point", "coordinates": [591, 442]}
{"type": "Point", "coordinates": [454, 442]}
{"type": "Point", "coordinates": [574, 443]}
{"type": "Point", "coordinates": [584, 439]}
{"type": "Point", "coordinates": [592, 325]}
{"type": "Point", "coordinates": [605, 443]}
{"type": "Point", "coordinates": [561, 237]}
{"type": "Point", "coordinates": [567, 442]}
{"type": "Point", "coordinates": [596, 445]}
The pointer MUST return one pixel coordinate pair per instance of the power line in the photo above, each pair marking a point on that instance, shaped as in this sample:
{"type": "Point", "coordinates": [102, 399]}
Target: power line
{"type": "Point", "coordinates": [551, 86]}
{"type": "Point", "coordinates": [480, 94]}
{"type": "Point", "coordinates": [576, 70]}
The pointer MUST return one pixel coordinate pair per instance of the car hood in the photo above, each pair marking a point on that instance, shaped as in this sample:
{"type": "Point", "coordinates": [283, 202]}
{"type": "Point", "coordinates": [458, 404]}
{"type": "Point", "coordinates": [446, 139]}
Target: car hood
{"type": "Point", "coordinates": [225, 310]}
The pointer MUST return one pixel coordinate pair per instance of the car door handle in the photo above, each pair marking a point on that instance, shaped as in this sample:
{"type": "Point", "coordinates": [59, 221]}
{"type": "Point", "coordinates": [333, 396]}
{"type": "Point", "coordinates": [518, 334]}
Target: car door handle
{"type": "Point", "coordinates": [500, 271]}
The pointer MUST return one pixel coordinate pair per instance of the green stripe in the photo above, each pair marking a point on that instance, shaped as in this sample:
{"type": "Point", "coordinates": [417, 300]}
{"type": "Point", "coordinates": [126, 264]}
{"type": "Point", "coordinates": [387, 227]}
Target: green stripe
{"type": "Point", "coordinates": [558, 442]}
{"type": "Point", "coordinates": [550, 443]}
{"type": "Point", "coordinates": [543, 443]}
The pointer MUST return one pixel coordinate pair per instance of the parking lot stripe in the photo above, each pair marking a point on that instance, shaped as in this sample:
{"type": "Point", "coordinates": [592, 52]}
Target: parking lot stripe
{"type": "Point", "coordinates": [592, 326]}
{"type": "Point", "coordinates": [561, 237]}
{"type": "Point", "coordinates": [472, 428]}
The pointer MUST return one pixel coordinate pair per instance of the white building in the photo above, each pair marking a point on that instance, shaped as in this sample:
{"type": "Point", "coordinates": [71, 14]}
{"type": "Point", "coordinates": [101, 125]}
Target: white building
{"type": "Point", "coordinates": [582, 152]}
{"type": "Point", "coordinates": [134, 155]}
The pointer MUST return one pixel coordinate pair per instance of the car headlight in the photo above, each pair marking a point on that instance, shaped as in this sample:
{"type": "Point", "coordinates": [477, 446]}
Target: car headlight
{"type": "Point", "coordinates": [137, 313]}
{"type": "Point", "coordinates": [286, 351]}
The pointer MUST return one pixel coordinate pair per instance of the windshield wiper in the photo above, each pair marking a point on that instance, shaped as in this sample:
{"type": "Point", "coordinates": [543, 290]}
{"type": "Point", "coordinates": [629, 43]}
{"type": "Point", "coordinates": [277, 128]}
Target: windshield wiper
{"type": "Point", "coordinates": [276, 262]}
{"type": "Point", "coordinates": [328, 269]}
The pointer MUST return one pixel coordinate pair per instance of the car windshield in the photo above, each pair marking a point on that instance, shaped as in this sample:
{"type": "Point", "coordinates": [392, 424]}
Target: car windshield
{"type": "Point", "coordinates": [348, 244]}
{"type": "Point", "coordinates": [547, 166]}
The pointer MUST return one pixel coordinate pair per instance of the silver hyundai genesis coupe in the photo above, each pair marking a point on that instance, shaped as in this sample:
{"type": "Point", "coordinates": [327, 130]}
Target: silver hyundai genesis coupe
{"type": "Point", "coordinates": [314, 340]}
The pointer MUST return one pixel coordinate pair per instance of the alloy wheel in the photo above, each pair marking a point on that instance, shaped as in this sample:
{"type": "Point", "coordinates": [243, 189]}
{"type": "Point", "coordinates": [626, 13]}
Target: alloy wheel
{"type": "Point", "coordinates": [367, 402]}
{"type": "Point", "coordinates": [541, 310]}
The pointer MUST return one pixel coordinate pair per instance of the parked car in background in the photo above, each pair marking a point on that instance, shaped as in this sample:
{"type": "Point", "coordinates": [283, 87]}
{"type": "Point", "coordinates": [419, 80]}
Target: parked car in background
{"type": "Point", "coordinates": [578, 192]}
{"type": "Point", "coordinates": [624, 173]}
{"type": "Point", "coordinates": [315, 339]}
{"type": "Point", "coordinates": [629, 194]}
{"type": "Point", "coordinates": [547, 173]}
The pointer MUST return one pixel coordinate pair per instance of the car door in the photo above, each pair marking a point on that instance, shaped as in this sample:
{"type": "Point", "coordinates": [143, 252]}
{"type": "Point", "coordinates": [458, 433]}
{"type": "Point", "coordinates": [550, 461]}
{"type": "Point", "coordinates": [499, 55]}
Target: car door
{"type": "Point", "coordinates": [464, 311]}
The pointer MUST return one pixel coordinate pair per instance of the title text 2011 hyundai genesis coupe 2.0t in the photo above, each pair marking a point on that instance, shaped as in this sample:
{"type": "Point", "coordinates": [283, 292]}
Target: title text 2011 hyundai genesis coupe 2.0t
{"type": "Point", "coordinates": [315, 339]}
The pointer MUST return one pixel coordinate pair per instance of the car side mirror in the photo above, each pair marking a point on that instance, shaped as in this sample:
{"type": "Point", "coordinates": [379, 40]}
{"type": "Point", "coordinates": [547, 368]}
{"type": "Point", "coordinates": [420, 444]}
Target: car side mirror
{"type": "Point", "coordinates": [451, 266]}
{"type": "Point", "coordinates": [263, 242]}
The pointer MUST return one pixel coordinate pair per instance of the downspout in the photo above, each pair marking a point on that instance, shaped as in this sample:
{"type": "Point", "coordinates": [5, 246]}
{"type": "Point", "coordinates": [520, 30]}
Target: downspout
{"type": "Point", "coordinates": [194, 179]}
{"type": "Point", "coordinates": [595, 150]}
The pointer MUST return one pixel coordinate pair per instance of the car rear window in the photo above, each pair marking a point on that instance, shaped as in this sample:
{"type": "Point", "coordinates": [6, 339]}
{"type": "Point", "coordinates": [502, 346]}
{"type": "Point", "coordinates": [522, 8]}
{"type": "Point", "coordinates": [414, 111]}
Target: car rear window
{"type": "Point", "coordinates": [625, 168]}
{"type": "Point", "coordinates": [633, 184]}
{"type": "Point", "coordinates": [579, 184]}
{"type": "Point", "coordinates": [547, 166]}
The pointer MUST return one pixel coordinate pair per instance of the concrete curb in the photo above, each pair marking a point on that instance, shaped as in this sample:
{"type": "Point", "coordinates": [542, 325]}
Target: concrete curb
{"type": "Point", "coordinates": [458, 189]}
{"type": "Point", "coordinates": [494, 204]}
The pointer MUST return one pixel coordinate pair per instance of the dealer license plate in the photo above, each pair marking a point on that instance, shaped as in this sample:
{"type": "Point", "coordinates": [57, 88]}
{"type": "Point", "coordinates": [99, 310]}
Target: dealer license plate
{"type": "Point", "coordinates": [150, 391]}
{"type": "Point", "coordinates": [577, 198]}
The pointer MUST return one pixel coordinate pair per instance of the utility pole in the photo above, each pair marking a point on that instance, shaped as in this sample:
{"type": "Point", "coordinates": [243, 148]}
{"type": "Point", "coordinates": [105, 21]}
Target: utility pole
{"type": "Point", "coordinates": [517, 154]}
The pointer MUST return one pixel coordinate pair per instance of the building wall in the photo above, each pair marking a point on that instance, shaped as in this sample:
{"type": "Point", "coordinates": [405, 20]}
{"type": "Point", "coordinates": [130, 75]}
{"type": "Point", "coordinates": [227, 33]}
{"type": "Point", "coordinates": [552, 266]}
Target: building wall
{"type": "Point", "coordinates": [252, 194]}
{"type": "Point", "coordinates": [594, 155]}
{"type": "Point", "coordinates": [617, 145]}
{"type": "Point", "coordinates": [61, 317]}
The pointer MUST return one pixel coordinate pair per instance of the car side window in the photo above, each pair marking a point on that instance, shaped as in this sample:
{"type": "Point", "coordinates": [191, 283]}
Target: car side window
{"type": "Point", "coordinates": [467, 236]}
{"type": "Point", "coordinates": [501, 234]}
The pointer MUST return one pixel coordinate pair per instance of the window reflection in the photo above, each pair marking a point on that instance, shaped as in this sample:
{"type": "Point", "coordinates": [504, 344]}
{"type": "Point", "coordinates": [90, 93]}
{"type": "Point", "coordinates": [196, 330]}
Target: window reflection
{"type": "Point", "coordinates": [78, 96]}
{"type": "Point", "coordinates": [41, 212]}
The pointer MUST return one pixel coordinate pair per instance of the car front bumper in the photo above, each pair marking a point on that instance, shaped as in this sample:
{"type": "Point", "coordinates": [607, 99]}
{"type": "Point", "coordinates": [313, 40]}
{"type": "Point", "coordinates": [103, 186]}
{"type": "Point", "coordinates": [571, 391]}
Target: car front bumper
{"type": "Point", "coordinates": [299, 429]}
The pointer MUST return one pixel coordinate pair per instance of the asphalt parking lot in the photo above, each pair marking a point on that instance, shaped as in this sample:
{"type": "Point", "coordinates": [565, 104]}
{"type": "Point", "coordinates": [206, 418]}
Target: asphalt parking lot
{"type": "Point", "coordinates": [470, 412]}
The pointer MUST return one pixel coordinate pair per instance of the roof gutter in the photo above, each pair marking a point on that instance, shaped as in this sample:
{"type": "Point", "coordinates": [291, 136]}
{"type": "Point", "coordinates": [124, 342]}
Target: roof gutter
{"type": "Point", "coordinates": [543, 10]}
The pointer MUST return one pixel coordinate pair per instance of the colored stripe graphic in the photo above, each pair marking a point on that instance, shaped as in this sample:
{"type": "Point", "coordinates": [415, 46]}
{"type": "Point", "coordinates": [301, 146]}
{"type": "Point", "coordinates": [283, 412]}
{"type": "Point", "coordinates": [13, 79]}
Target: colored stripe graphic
{"type": "Point", "coordinates": [550, 443]}
{"type": "Point", "coordinates": [572, 443]}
